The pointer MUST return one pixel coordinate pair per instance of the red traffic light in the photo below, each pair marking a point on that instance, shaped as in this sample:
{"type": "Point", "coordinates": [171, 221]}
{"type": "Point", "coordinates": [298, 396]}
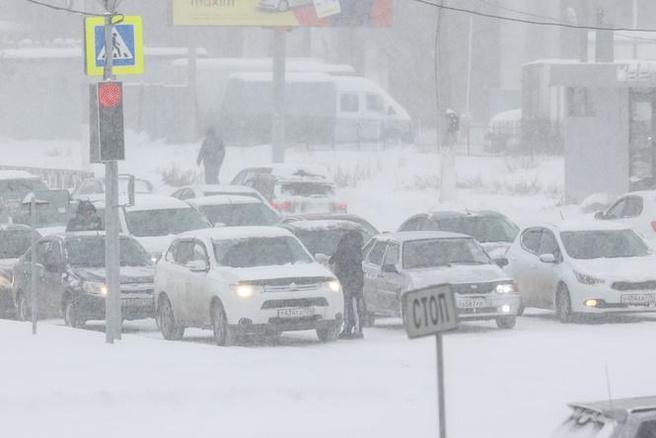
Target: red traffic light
{"type": "Point", "coordinates": [110, 94]}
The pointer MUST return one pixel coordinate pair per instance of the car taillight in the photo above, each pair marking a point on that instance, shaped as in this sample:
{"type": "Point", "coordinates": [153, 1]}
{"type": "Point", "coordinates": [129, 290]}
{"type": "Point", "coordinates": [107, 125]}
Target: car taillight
{"type": "Point", "coordinates": [340, 206]}
{"type": "Point", "coordinates": [282, 206]}
{"type": "Point", "coordinates": [653, 225]}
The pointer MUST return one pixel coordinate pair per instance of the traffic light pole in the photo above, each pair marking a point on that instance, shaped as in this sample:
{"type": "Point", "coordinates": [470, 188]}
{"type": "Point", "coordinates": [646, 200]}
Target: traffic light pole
{"type": "Point", "coordinates": [113, 319]}
{"type": "Point", "coordinates": [279, 72]}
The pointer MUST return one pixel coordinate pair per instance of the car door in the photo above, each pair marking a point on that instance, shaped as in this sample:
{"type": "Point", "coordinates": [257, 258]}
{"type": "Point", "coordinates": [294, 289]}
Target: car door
{"type": "Point", "coordinates": [196, 287]}
{"type": "Point", "coordinates": [547, 277]}
{"type": "Point", "coordinates": [390, 283]}
{"type": "Point", "coordinates": [50, 281]}
{"type": "Point", "coordinates": [177, 276]}
{"type": "Point", "coordinates": [372, 267]}
{"type": "Point", "coordinates": [524, 263]}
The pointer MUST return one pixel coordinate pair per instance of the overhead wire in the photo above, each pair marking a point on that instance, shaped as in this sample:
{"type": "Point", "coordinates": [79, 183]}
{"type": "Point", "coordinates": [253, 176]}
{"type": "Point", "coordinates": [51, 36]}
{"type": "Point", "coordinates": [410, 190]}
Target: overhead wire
{"type": "Point", "coordinates": [62, 8]}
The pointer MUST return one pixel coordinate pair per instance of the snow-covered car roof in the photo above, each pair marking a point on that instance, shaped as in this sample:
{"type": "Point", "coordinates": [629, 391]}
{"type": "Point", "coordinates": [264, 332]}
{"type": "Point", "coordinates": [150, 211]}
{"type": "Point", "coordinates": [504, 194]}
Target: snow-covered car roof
{"type": "Point", "coordinates": [626, 405]}
{"type": "Point", "coordinates": [222, 200]}
{"type": "Point", "coordinates": [586, 225]}
{"type": "Point", "coordinates": [143, 202]}
{"type": "Point", "coordinates": [6, 175]}
{"type": "Point", "coordinates": [295, 170]}
{"type": "Point", "coordinates": [219, 188]}
{"type": "Point", "coordinates": [77, 234]}
{"type": "Point", "coordinates": [407, 236]}
{"type": "Point", "coordinates": [463, 213]}
{"type": "Point", "coordinates": [14, 227]}
{"type": "Point", "coordinates": [230, 233]}
{"type": "Point", "coordinates": [326, 224]}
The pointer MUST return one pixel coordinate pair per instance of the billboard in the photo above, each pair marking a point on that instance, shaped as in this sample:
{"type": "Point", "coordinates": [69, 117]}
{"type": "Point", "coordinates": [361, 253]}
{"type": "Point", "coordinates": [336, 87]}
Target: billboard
{"type": "Point", "coordinates": [282, 13]}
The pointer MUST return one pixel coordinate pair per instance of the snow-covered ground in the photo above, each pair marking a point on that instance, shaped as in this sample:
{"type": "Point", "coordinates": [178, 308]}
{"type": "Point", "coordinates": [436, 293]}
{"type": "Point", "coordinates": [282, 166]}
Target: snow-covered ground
{"type": "Point", "coordinates": [503, 384]}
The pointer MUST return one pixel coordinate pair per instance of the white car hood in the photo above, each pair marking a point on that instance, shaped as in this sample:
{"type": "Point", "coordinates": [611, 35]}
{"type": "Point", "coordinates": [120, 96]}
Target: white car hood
{"type": "Point", "coordinates": [155, 245]}
{"type": "Point", "coordinates": [629, 269]}
{"type": "Point", "coordinates": [276, 272]}
{"type": "Point", "coordinates": [496, 249]}
{"type": "Point", "coordinates": [456, 274]}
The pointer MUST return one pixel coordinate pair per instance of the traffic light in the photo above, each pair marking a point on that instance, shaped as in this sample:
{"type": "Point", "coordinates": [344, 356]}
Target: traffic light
{"type": "Point", "coordinates": [106, 122]}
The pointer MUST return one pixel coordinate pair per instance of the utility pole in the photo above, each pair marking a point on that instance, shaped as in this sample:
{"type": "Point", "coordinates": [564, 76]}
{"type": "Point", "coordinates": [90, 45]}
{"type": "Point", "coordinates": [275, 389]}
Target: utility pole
{"type": "Point", "coordinates": [635, 26]}
{"type": "Point", "coordinates": [443, 85]}
{"type": "Point", "coordinates": [113, 319]}
{"type": "Point", "coordinates": [470, 49]}
{"type": "Point", "coordinates": [279, 72]}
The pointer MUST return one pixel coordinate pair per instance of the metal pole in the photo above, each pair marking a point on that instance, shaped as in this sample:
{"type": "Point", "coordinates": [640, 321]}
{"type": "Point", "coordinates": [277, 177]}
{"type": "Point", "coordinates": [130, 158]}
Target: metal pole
{"type": "Point", "coordinates": [112, 256]}
{"type": "Point", "coordinates": [635, 26]}
{"type": "Point", "coordinates": [440, 386]}
{"type": "Point", "coordinates": [279, 70]}
{"type": "Point", "coordinates": [34, 297]}
{"type": "Point", "coordinates": [469, 78]}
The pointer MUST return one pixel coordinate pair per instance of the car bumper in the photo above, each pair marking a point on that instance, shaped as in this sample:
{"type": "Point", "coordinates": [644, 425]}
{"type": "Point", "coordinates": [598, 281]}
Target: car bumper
{"type": "Point", "coordinates": [489, 306]}
{"type": "Point", "coordinates": [597, 300]}
{"type": "Point", "coordinates": [91, 307]}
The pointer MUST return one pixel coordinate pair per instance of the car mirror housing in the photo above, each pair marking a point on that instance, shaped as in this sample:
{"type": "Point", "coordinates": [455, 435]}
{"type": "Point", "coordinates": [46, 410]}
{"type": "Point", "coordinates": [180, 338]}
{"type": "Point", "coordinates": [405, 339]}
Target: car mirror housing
{"type": "Point", "coordinates": [501, 262]}
{"type": "Point", "coordinates": [390, 269]}
{"type": "Point", "coordinates": [197, 266]}
{"type": "Point", "coordinates": [548, 258]}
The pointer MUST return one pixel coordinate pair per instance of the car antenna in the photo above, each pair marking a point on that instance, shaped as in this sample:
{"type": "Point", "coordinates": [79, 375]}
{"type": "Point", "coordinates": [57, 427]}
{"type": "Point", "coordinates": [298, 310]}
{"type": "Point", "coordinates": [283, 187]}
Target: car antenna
{"type": "Point", "coordinates": [608, 388]}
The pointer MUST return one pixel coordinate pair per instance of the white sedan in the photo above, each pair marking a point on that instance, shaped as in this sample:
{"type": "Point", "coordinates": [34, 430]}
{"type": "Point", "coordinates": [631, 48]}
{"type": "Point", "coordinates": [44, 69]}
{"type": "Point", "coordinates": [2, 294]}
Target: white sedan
{"type": "Point", "coordinates": [235, 211]}
{"type": "Point", "coordinates": [245, 280]}
{"type": "Point", "coordinates": [636, 210]}
{"type": "Point", "coordinates": [583, 268]}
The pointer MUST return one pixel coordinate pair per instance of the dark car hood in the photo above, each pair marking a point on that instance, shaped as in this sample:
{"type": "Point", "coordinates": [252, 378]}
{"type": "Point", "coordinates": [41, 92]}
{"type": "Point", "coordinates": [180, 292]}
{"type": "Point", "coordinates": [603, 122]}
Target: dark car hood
{"type": "Point", "coordinates": [129, 274]}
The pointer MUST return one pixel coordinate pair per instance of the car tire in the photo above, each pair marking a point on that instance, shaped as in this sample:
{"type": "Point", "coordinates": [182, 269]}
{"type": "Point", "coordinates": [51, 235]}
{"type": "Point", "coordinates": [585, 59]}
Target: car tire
{"type": "Point", "coordinates": [224, 335]}
{"type": "Point", "coordinates": [283, 6]}
{"type": "Point", "coordinates": [168, 326]}
{"type": "Point", "coordinates": [71, 313]}
{"type": "Point", "coordinates": [506, 322]}
{"type": "Point", "coordinates": [328, 334]}
{"type": "Point", "coordinates": [564, 305]}
{"type": "Point", "coordinates": [22, 308]}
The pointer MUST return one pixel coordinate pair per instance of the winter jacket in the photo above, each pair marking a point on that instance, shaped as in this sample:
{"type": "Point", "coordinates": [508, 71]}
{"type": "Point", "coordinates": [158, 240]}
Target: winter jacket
{"type": "Point", "coordinates": [347, 263]}
{"type": "Point", "coordinates": [211, 152]}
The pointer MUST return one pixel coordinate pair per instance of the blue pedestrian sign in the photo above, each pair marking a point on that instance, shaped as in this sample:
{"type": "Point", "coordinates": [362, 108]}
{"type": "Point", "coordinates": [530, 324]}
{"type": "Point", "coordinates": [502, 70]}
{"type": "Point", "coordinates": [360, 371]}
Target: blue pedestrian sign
{"type": "Point", "coordinates": [127, 46]}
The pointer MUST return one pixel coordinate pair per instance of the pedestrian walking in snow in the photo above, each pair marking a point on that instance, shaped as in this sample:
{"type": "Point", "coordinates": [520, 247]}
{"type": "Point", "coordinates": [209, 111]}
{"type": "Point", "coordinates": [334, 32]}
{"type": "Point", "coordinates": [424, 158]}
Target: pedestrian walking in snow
{"type": "Point", "coordinates": [86, 218]}
{"type": "Point", "coordinates": [211, 154]}
{"type": "Point", "coordinates": [347, 264]}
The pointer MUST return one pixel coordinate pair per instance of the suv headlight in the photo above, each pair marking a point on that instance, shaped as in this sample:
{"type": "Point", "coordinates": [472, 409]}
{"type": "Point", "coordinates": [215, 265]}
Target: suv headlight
{"type": "Point", "coordinates": [333, 286]}
{"type": "Point", "coordinates": [95, 288]}
{"type": "Point", "coordinates": [505, 288]}
{"type": "Point", "coordinates": [587, 279]}
{"type": "Point", "coordinates": [247, 290]}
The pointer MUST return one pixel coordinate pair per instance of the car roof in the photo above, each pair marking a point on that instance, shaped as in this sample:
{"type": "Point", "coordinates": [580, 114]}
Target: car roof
{"type": "Point", "coordinates": [222, 200]}
{"type": "Point", "coordinates": [293, 171]}
{"type": "Point", "coordinates": [78, 234]}
{"type": "Point", "coordinates": [441, 214]}
{"type": "Point", "coordinates": [228, 188]}
{"type": "Point", "coordinates": [322, 225]}
{"type": "Point", "coordinates": [16, 174]}
{"type": "Point", "coordinates": [228, 233]}
{"type": "Point", "coordinates": [625, 405]}
{"type": "Point", "coordinates": [144, 202]}
{"type": "Point", "coordinates": [407, 236]}
{"type": "Point", "coordinates": [585, 225]}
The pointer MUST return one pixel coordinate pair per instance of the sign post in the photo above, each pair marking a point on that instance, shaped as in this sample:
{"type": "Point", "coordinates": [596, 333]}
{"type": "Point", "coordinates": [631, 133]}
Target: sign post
{"type": "Point", "coordinates": [427, 312]}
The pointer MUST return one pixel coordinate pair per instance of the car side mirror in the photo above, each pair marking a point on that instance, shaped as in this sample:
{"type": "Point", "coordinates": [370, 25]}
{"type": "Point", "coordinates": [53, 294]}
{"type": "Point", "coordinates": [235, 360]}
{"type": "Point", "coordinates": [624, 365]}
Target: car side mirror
{"type": "Point", "coordinates": [548, 258]}
{"type": "Point", "coordinates": [501, 262]}
{"type": "Point", "coordinates": [600, 215]}
{"type": "Point", "coordinates": [197, 266]}
{"type": "Point", "coordinates": [390, 269]}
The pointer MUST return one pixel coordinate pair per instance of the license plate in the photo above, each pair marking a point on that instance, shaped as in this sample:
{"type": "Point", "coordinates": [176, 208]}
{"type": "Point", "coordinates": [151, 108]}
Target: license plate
{"type": "Point", "coordinates": [136, 302]}
{"type": "Point", "coordinates": [471, 303]}
{"type": "Point", "coordinates": [296, 312]}
{"type": "Point", "coordinates": [639, 299]}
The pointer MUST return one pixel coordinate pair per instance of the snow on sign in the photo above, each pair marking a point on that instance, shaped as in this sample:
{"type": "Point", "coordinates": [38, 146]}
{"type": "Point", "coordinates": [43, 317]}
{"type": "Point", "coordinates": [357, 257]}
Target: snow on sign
{"type": "Point", "coordinates": [429, 311]}
{"type": "Point", "coordinates": [326, 8]}
{"type": "Point", "coordinates": [127, 46]}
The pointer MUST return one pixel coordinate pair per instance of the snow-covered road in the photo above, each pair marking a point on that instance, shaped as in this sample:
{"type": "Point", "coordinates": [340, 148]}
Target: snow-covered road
{"type": "Point", "coordinates": [501, 384]}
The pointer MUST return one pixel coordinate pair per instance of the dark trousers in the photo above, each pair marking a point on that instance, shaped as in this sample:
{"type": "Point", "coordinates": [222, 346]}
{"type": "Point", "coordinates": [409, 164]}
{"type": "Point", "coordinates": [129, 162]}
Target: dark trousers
{"type": "Point", "coordinates": [212, 173]}
{"type": "Point", "coordinates": [354, 313]}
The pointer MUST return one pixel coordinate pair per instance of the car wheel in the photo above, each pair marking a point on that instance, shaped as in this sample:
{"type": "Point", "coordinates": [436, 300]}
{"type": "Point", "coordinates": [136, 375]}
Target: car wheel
{"type": "Point", "coordinates": [283, 6]}
{"type": "Point", "coordinates": [22, 308]}
{"type": "Point", "coordinates": [564, 305]}
{"type": "Point", "coordinates": [328, 334]}
{"type": "Point", "coordinates": [506, 322]}
{"type": "Point", "coordinates": [223, 334]}
{"type": "Point", "coordinates": [169, 327]}
{"type": "Point", "coordinates": [72, 314]}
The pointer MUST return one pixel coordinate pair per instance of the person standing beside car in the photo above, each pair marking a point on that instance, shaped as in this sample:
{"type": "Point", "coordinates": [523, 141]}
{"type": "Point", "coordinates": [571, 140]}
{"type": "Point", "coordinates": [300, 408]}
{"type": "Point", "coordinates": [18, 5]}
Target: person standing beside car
{"type": "Point", "coordinates": [347, 265]}
{"type": "Point", "coordinates": [86, 218]}
{"type": "Point", "coordinates": [211, 154]}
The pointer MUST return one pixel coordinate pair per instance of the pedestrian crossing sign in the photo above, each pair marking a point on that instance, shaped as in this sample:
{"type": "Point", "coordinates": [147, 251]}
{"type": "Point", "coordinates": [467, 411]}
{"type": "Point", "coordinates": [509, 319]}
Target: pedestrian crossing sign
{"type": "Point", "coordinates": [127, 45]}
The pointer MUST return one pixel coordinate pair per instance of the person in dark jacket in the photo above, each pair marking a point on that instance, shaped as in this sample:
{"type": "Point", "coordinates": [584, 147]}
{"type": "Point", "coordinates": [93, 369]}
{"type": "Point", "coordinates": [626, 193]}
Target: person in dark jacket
{"type": "Point", "coordinates": [86, 218]}
{"type": "Point", "coordinates": [211, 154]}
{"type": "Point", "coordinates": [347, 264]}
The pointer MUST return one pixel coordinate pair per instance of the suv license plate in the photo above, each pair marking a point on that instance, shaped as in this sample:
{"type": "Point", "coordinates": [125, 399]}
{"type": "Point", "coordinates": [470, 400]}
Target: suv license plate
{"type": "Point", "coordinates": [296, 312]}
{"type": "Point", "coordinates": [639, 299]}
{"type": "Point", "coordinates": [471, 303]}
{"type": "Point", "coordinates": [136, 302]}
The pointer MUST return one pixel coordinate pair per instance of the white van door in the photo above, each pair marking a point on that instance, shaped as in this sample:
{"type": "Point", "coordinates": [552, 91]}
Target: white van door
{"type": "Point", "coordinates": [347, 123]}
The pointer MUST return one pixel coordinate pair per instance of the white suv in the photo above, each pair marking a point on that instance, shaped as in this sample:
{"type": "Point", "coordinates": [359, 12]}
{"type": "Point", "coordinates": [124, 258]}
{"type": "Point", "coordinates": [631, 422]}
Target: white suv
{"type": "Point", "coordinates": [245, 280]}
{"type": "Point", "coordinates": [636, 210]}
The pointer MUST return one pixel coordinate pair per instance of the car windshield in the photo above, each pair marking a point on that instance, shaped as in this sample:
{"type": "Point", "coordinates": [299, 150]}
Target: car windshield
{"type": "Point", "coordinates": [260, 251]}
{"type": "Point", "coordinates": [17, 189]}
{"type": "Point", "coordinates": [89, 252]}
{"type": "Point", "coordinates": [233, 215]}
{"type": "Point", "coordinates": [164, 222]}
{"type": "Point", "coordinates": [322, 241]}
{"type": "Point", "coordinates": [587, 245]}
{"type": "Point", "coordinates": [485, 229]}
{"type": "Point", "coordinates": [13, 244]}
{"type": "Point", "coordinates": [306, 189]}
{"type": "Point", "coordinates": [432, 253]}
{"type": "Point", "coordinates": [247, 194]}
{"type": "Point", "coordinates": [583, 425]}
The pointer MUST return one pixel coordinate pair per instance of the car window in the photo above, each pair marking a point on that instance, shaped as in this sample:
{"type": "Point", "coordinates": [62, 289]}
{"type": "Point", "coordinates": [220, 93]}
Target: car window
{"type": "Point", "coordinates": [367, 248]}
{"type": "Point", "coordinates": [374, 103]}
{"type": "Point", "coordinates": [260, 251]}
{"type": "Point", "coordinates": [617, 210]}
{"type": "Point", "coordinates": [164, 222]}
{"type": "Point", "coordinates": [42, 248]}
{"type": "Point", "coordinates": [647, 429]}
{"type": "Point", "coordinates": [484, 228]}
{"type": "Point", "coordinates": [234, 215]}
{"type": "Point", "coordinates": [431, 253]}
{"type": "Point", "coordinates": [349, 103]}
{"type": "Point", "coordinates": [52, 254]}
{"type": "Point", "coordinates": [548, 243]}
{"type": "Point", "coordinates": [607, 244]}
{"type": "Point", "coordinates": [377, 252]}
{"type": "Point", "coordinates": [14, 243]}
{"type": "Point", "coordinates": [632, 207]}
{"type": "Point", "coordinates": [414, 224]}
{"type": "Point", "coordinates": [182, 252]}
{"type": "Point", "coordinates": [392, 255]}
{"type": "Point", "coordinates": [90, 252]}
{"type": "Point", "coordinates": [531, 240]}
